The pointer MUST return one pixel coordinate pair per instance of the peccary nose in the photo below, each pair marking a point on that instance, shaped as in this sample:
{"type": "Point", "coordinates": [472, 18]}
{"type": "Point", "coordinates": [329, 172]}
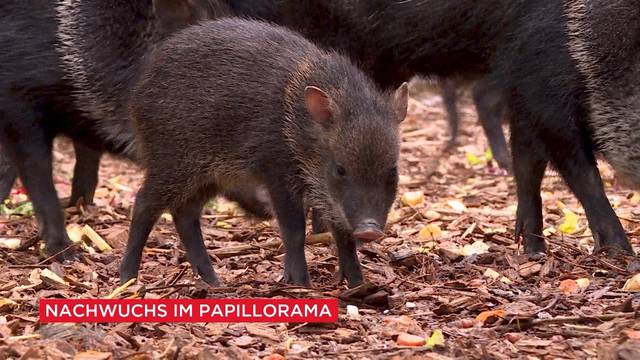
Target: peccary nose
{"type": "Point", "coordinates": [368, 230]}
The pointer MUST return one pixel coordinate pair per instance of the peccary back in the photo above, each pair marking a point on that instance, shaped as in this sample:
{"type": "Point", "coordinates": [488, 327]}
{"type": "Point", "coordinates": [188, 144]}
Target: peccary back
{"type": "Point", "coordinates": [102, 44]}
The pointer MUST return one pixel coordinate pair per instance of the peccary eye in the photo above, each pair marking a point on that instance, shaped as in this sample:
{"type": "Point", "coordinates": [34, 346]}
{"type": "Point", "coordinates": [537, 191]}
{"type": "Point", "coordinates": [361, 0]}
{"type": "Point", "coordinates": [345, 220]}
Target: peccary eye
{"type": "Point", "coordinates": [341, 171]}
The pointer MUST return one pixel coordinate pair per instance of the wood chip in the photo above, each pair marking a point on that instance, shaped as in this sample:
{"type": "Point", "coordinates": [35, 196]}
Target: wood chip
{"type": "Point", "coordinates": [96, 239]}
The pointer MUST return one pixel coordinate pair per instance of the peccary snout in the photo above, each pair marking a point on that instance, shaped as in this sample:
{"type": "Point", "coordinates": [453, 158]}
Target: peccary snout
{"type": "Point", "coordinates": [368, 230]}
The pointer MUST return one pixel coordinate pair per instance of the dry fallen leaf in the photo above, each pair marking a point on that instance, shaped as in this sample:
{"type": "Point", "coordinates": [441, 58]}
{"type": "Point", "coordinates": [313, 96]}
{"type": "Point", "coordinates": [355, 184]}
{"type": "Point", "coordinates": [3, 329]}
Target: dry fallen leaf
{"type": "Point", "coordinates": [583, 283]}
{"type": "Point", "coordinates": [570, 223]}
{"type": "Point", "coordinates": [431, 232]}
{"type": "Point", "coordinates": [505, 280]}
{"type": "Point", "coordinates": [492, 274]}
{"type": "Point", "coordinates": [457, 205]}
{"type": "Point", "coordinates": [412, 198]}
{"type": "Point", "coordinates": [74, 231]}
{"type": "Point", "coordinates": [633, 284]}
{"type": "Point", "coordinates": [436, 339]}
{"type": "Point", "coordinates": [474, 160]}
{"type": "Point", "coordinates": [52, 279]}
{"type": "Point", "coordinates": [549, 231]}
{"type": "Point", "coordinates": [477, 248]}
{"type": "Point", "coordinates": [432, 215]}
{"type": "Point", "coordinates": [11, 244]}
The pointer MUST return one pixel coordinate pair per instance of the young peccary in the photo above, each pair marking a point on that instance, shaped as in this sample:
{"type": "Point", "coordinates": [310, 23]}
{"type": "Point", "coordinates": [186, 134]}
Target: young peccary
{"type": "Point", "coordinates": [66, 68]}
{"type": "Point", "coordinates": [233, 101]}
{"type": "Point", "coordinates": [568, 74]}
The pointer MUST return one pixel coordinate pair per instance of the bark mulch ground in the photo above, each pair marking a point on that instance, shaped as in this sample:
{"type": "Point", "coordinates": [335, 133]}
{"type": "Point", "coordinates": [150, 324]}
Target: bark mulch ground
{"type": "Point", "coordinates": [449, 265]}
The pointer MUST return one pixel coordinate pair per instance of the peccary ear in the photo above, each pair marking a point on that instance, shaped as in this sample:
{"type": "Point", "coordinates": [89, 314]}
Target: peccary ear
{"type": "Point", "coordinates": [318, 104]}
{"type": "Point", "coordinates": [401, 101]}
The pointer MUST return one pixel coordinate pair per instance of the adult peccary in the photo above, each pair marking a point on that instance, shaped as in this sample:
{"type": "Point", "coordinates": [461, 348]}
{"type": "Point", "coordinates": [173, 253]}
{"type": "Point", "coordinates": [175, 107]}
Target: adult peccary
{"type": "Point", "coordinates": [66, 68]}
{"type": "Point", "coordinates": [566, 70]}
{"type": "Point", "coordinates": [234, 100]}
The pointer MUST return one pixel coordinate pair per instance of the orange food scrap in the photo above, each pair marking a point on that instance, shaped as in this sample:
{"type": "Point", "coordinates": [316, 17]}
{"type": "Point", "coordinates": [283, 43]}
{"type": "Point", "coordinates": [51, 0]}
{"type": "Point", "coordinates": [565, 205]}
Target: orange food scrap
{"type": "Point", "coordinates": [569, 287]}
{"type": "Point", "coordinates": [486, 315]}
{"type": "Point", "coordinates": [405, 339]}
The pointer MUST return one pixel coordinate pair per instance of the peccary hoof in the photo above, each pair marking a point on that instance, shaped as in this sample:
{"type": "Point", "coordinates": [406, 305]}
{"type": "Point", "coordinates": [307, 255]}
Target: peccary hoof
{"type": "Point", "coordinates": [537, 256]}
{"type": "Point", "coordinates": [614, 252]}
{"type": "Point", "coordinates": [354, 277]}
{"type": "Point", "coordinates": [301, 279]}
{"type": "Point", "coordinates": [535, 247]}
{"type": "Point", "coordinates": [212, 281]}
{"type": "Point", "coordinates": [613, 240]}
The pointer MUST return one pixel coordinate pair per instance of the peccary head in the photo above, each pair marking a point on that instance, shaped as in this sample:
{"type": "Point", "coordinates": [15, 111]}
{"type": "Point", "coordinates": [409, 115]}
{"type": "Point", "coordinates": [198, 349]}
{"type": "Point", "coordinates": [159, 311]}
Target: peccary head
{"type": "Point", "coordinates": [359, 154]}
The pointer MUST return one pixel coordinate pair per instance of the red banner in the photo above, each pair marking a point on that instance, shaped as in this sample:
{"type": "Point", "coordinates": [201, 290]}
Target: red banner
{"type": "Point", "coordinates": [188, 310]}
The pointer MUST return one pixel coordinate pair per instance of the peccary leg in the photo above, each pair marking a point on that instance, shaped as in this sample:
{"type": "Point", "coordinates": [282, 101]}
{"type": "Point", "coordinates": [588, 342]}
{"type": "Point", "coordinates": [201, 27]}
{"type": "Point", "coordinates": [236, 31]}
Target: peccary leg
{"type": "Point", "coordinates": [317, 225]}
{"type": "Point", "coordinates": [85, 174]}
{"type": "Point", "coordinates": [8, 175]}
{"type": "Point", "coordinates": [489, 101]}
{"type": "Point", "coordinates": [187, 221]}
{"type": "Point", "coordinates": [250, 201]}
{"type": "Point", "coordinates": [578, 167]}
{"type": "Point", "coordinates": [347, 258]}
{"type": "Point", "coordinates": [146, 211]}
{"type": "Point", "coordinates": [529, 167]}
{"type": "Point", "coordinates": [289, 210]}
{"type": "Point", "coordinates": [30, 149]}
{"type": "Point", "coordinates": [450, 99]}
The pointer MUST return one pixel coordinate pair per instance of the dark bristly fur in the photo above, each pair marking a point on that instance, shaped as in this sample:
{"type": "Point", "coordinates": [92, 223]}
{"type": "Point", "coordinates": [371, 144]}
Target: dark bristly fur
{"type": "Point", "coordinates": [66, 67]}
{"type": "Point", "coordinates": [224, 102]}
{"type": "Point", "coordinates": [569, 75]}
